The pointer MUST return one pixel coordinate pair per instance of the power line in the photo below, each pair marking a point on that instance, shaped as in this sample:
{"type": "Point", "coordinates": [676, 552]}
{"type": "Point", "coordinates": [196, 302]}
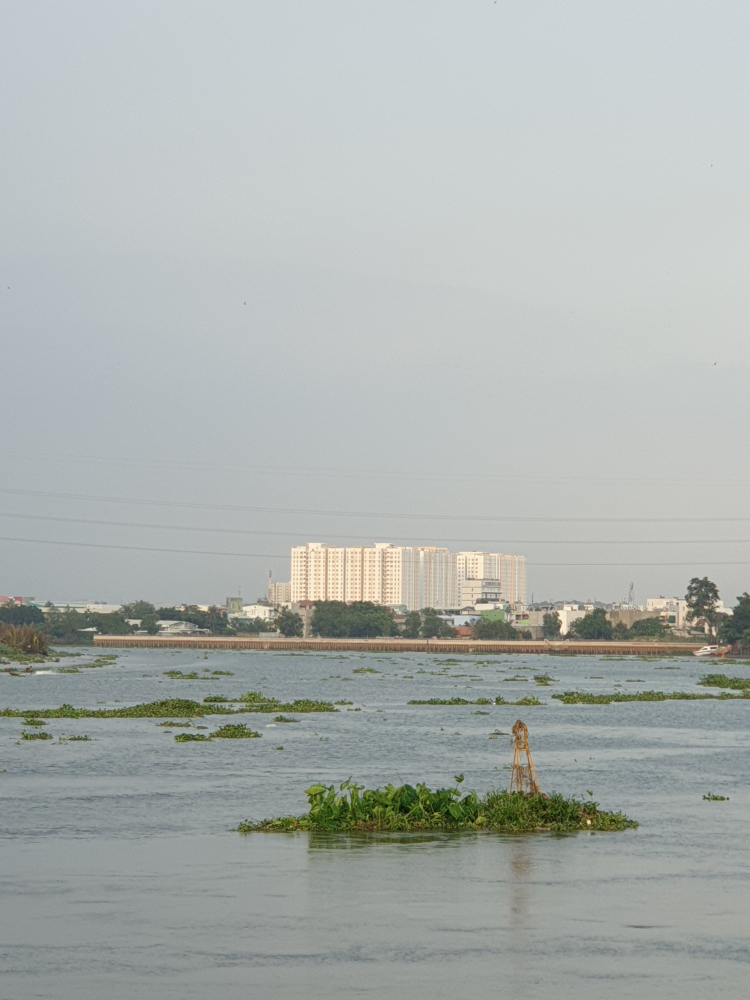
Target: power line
{"type": "Point", "coordinates": [319, 472]}
{"type": "Point", "coordinates": [477, 541]}
{"type": "Point", "coordinates": [145, 548]}
{"type": "Point", "coordinates": [269, 555]}
{"type": "Point", "coordinates": [375, 514]}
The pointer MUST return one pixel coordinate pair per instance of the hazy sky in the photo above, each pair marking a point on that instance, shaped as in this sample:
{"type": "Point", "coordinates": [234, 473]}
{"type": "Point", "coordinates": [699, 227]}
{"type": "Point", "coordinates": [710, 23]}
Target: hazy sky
{"type": "Point", "coordinates": [487, 261]}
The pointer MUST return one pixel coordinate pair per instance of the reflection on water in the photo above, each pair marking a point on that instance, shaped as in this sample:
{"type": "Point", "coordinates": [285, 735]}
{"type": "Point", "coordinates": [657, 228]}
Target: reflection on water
{"type": "Point", "coordinates": [520, 869]}
{"type": "Point", "coordinates": [120, 878]}
{"type": "Point", "coordinates": [357, 841]}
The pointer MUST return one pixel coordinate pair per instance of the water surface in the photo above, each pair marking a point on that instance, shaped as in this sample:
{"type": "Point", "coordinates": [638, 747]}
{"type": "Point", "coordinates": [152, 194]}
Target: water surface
{"type": "Point", "coordinates": [121, 878]}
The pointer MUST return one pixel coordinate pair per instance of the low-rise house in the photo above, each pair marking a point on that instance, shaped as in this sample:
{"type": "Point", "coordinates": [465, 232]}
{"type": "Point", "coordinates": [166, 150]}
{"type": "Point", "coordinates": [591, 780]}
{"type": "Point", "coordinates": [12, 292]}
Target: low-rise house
{"type": "Point", "coordinates": [167, 627]}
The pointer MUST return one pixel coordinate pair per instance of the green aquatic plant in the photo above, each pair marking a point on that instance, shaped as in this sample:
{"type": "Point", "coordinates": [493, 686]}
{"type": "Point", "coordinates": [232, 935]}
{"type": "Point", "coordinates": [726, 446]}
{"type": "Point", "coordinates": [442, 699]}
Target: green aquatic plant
{"type": "Point", "coordinates": [100, 661]}
{"type": "Point", "coordinates": [585, 698]}
{"type": "Point", "coordinates": [722, 681]}
{"type": "Point", "coordinates": [284, 718]}
{"type": "Point", "coordinates": [215, 698]}
{"type": "Point", "coordinates": [34, 736]}
{"type": "Point", "coordinates": [180, 707]}
{"type": "Point", "coordinates": [190, 738]}
{"type": "Point", "coordinates": [172, 724]}
{"type": "Point", "coordinates": [234, 731]}
{"type": "Point", "coordinates": [343, 702]}
{"type": "Point", "coordinates": [544, 679]}
{"type": "Point", "coordinates": [34, 722]}
{"type": "Point", "coordinates": [365, 670]}
{"type": "Point", "coordinates": [79, 739]}
{"type": "Point", "coordinates": [710, 797]}
{"type": "Point", "coordinates": [441, 701]}
{"type": "Point", "coordinates": [529, 699]}
{"type": "Point", "coordinates": [417, 808]}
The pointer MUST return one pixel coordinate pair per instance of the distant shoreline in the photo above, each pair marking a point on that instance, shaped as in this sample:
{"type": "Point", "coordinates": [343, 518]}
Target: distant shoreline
{"type": "Point", "coordinates": [392, 645]}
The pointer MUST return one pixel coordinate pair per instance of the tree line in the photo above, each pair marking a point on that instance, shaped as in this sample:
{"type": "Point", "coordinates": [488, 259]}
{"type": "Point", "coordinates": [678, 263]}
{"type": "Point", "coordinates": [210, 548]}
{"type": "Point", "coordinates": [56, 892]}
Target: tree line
{"type": "Point", "coordinates": [363, 619]}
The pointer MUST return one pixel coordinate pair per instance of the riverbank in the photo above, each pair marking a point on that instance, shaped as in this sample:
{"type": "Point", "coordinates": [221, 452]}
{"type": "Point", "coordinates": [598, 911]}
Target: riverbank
{"type": "Point", "coordinates": [391, 645]}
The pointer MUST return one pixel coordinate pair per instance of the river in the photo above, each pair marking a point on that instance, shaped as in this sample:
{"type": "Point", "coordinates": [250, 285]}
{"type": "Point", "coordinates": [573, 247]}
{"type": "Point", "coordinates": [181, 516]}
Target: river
{"type": "Point", "coordinates": [121, 878]}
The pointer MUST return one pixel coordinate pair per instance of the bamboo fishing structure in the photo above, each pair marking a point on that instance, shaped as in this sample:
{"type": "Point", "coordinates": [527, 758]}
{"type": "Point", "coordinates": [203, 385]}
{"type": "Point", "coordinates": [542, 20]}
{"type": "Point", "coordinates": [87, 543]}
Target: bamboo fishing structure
{"type": "Point", "coordinates": [523, 777]}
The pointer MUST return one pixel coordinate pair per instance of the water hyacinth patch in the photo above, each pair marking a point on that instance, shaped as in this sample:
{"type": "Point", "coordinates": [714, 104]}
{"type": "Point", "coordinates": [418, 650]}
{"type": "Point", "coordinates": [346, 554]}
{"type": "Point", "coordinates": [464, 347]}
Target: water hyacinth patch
{"type": "Point", "coordinates": [34, 736]}
{"type": "Point", "coordinates": [722, 681]}
{"type": "Point", "coordinates": [584, 698]}
{"type": "Point", "coordinates": [237, 731]}
{"type": "Point", "coordinates": [417, 808]}
{"type": "Point", "coordinates": [180, 707]}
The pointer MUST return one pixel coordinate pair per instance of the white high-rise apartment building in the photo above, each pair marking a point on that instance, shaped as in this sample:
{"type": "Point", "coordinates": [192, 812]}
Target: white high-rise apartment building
{"type": "Point", "coordinates": [279, 593]}
{"type": "Point", "coordinates": [412, 575]}
{"type": "Point", "coordinates": [509, 570]}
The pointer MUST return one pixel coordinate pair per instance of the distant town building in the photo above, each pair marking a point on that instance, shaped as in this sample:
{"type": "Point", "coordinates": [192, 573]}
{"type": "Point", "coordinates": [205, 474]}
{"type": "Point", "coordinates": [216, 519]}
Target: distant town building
{"type": "Point", "coordinates": [479, 592]}
{"type": "Point", "coordinates": [570, 613]}
{"type": "Point", "coordinates": [673, 611]}
{"type": "Point", "coordinates": [83, 607]}
{"type": "Point", "coordinates": [409, 576]}
{"type": "Point", "coordinates": [279, 593]}
{"type": "Point", "coordinates": [234, 605]}
{"type": "Point", "coordinates": [252, 611]}
{"type": "Point", "coordinates": [509, 570]}
{"type": "Point", "coordinates": [167, 627]}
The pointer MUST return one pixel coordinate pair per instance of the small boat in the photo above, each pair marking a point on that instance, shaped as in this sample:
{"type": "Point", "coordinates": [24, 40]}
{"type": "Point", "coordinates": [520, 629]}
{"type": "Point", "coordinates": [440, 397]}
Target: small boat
{"type": "Point", "coordinates": [712, 651]}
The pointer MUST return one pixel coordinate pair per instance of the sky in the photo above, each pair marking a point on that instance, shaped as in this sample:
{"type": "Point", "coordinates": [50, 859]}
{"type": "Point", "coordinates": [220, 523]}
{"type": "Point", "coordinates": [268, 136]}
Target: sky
{"type": "Point", "coordinates": [463, 273]}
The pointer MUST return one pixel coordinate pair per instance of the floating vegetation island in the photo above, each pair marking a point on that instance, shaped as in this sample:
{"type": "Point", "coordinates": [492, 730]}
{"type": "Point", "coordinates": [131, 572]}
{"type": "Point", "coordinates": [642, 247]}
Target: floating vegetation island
{"type": "Point", "coordinates": [253, 701]}
{"type": "Point", "coordinates": [530, 699]}
{"type": "Point", "coordinates": [585, 698]}
{"type": "Point", "coordinates": [237, 731]}
{"type": "Point", "coordinates": [722, 681]}
{"type": "Point", "coordinates": [417, 808]}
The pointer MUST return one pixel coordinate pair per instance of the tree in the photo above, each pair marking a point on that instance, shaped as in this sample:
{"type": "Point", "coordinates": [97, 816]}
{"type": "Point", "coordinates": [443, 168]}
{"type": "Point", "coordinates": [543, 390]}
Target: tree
{"type": "Point", "coordinates": [734, 626]}
{"type": "Point", "coordinates": [215, 619]}
{"type": "Point", "coordinates": [620, 631]}
{"type": "Point", "coordinates": [289, 623]}
{"type": "Point", "coordinates": [21, 614]}
{"type": "Point", "coordinates": [702, 599]}
{"type": "Point", "coordinates": [149, 622]}
{"type": "Point", "coordinates": [252, 626]}
{"type": "Point", "coordinates": [69, 627]}
{"type": "Point", "coordinates": [433, 627]}
{"type": "Point", "coordinates": [336, 619]}
{"type": "Point", "coordinates": [137, 610]}
{"type": "Point", "coordinates": [594, 625]}
{"type": "Point", "coordinates": [486, 628]}
{"type": "Point", "coordinates": [412, 625]}
{"type": "Point", "coordinates": [551, 625]}
{"type": "Point", "coordinates": [648, 627]}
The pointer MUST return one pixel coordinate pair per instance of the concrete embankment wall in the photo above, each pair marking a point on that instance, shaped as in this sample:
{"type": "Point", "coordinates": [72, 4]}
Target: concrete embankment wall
{"type": "Point", "coordinates": [394, 645]}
